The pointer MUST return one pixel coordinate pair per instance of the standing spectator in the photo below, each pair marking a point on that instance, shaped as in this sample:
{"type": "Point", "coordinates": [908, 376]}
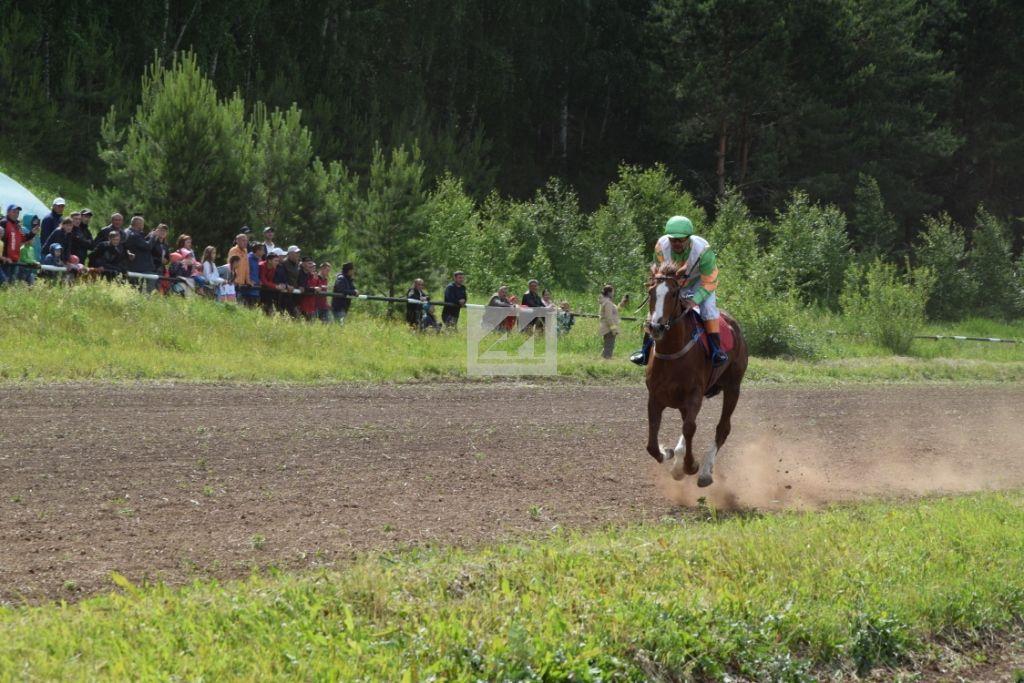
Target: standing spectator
{"type": "Point", "coordinates": [323, 309]}
{"type": "Point", "coordinates": [288, 275]}
{"type": "Point", "coordinates": [268, 239]}
{"type": "Point", "coordinates": [62, 236]}
{"type": "Point", "coordinates": [269, 288]}
{"type": "Point", "coordinates": [226, 289]}
{"type": "Point", "coordinates": [531, 299]}
{"type": "Point", "coordinates": [161, 250]}
{"type": "Point", "coordinates": [52, 220]}
{"type": "Point", "coordinates": [413, 310]}
{"type": "Point", "coordinates": [184, 242]}
{"type": "Point", "coordinates": [309, 283]}
{"type": "Point", "coordinates": [241, 250]}
{"type": "Point", "coordinates": [110, 256]}
{"type": "Point", "coordinates": [495, 320]}
{"type": "Point", "coordinates": [344, 284]}
{"type": "Point", "coordinates": [81, 235]}
{"type": "Point", "coordinates": [545, 297]}
{"type": "Point", "coordinates": [14, 238]}
{"type": "Point", "coordinates": [140, 251]}
{"type": "Point", "coordinates": [609, 325]}
{"type": "Point", "coordinates": [454, 299]}
{"type": "Point", "coordinates": [250, 295]}
{"type": "Point", "coordinates": [210, 271]}
{"type": "Point", "coordinates": [116, 225]}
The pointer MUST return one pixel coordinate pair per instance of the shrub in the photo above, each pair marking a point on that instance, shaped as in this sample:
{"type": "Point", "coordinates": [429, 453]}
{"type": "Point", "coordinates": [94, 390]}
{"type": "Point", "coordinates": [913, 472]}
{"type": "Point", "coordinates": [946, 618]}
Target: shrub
{"type": "Point", "coordinates": [990, 263]}
{"type": "Point", "coordinates": [774, 324]}
{"type": "Point", "coordinates": [941, 248]}
{"type": "Point", "coordinates": [809, 250]}
{"type": "Point", "coordinates": [885, 304]}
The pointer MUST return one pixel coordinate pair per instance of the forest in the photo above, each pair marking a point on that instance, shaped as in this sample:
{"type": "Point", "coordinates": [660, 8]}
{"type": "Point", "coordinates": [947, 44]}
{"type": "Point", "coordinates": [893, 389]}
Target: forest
{"type": "Point", "coordinates": [763, 97]}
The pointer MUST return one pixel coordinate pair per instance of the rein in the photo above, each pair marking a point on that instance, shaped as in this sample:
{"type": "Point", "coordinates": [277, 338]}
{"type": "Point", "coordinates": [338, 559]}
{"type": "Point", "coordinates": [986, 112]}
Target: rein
{"type": "Point", "coordinates": [668, 326]}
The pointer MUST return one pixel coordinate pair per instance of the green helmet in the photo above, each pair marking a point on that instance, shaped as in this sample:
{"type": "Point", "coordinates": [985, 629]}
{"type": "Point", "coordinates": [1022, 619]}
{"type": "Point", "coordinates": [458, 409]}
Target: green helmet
{"type": "Point", "coordinates": [679, 226]}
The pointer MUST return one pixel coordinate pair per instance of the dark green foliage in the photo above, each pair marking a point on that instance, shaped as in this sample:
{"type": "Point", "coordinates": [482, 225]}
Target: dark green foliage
{"type": "Point", "coordinates": [941, 247]}
{"type": "Point", "coordinates": [990, 264]}
{"type": "Point", "coordinates": [874, 230]}
{"type": "Point", "coordinates": [197, 162]}
{"type": "Point", "coordinates": [388, 222]}
{"type": "Point", "coordinates": [809, 250]}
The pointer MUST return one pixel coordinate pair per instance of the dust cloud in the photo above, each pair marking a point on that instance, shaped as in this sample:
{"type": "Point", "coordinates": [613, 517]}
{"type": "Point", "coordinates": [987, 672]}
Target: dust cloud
{"type": "Point", "coordinates": [836, 453]}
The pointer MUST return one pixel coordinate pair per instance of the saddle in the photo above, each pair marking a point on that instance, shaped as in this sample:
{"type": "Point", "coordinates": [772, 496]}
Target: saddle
{"type": "Point", "coordinates": [728, 339]}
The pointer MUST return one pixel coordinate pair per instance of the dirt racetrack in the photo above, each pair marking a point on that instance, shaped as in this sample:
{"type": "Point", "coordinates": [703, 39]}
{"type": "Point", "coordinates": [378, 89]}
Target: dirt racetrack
{"type": "Point", "coordinates": [173, 482]}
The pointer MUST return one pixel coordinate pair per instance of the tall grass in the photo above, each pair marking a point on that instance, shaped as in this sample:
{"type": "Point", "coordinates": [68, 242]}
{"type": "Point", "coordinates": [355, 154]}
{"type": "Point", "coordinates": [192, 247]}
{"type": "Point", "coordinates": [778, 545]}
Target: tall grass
{"type": "Point", "coordinates": [110, 331]}
{"type": "Point", "coordinates": [778, 598]}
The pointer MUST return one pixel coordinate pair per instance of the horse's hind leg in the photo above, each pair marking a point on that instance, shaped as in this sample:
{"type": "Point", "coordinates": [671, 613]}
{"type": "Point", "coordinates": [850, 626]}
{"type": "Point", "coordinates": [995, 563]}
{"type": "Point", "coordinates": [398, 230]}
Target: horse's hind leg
{"type": "Point", "coordinates": [730, 397]}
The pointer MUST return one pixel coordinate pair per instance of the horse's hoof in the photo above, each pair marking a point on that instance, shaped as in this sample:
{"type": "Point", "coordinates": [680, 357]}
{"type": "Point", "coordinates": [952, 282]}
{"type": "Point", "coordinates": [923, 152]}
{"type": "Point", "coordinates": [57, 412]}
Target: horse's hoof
{"type": "Point", "coordinates": [667, 454]}
{"type": "Point", "coordinates": [657, 455]}
{"type": "Point", "coordinates": [678, 473]}
{"type": "Point", "coordinates": [692, 468]}
{"type": "Point", "coordinates": [704, 480]}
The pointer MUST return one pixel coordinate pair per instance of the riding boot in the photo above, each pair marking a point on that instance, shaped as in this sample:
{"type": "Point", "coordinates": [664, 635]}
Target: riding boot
{"type": "Point", "coordinates": [641, 356]}
{"type": "Point", "coordinates": [718, 356]}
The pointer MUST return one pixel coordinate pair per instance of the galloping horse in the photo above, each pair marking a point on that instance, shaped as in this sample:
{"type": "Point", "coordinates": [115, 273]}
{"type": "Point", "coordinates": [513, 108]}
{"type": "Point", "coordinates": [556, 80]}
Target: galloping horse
{"type": "Point", "coordinates": [680, 375]}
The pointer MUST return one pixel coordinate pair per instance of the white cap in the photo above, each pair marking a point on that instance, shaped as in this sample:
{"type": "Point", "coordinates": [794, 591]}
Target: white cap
{"type": "Point", "coordinates": [59, 201]}
{"type": "Point", "coordinates": [277, 251]}
{"type": "Point", "coordinates": [293, 249]}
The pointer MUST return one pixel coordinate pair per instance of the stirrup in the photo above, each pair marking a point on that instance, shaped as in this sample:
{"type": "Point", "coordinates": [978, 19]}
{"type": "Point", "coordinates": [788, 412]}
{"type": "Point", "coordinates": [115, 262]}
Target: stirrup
{"type": "Point", "coordinates": [719, 358]}
{"type": "Point", "coordinates": [638, 358]}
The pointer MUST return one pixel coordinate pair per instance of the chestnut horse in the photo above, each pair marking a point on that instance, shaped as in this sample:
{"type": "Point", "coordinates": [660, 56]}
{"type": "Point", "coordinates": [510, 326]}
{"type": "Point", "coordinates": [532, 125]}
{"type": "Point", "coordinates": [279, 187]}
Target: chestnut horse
{"type": "Point", "coordinates": [679, 373]}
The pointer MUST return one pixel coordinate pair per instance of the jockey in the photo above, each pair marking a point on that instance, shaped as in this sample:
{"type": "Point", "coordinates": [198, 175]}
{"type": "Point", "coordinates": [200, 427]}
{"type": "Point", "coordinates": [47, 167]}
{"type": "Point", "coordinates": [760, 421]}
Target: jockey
{"type": "Point", "coordinates": [700, 280]}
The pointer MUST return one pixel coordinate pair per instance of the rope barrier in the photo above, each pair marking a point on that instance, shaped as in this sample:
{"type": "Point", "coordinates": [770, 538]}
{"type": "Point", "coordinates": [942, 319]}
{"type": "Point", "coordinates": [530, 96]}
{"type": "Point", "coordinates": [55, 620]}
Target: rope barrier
{"type": "Point", "coordinates": [958, 337]}
{"type": "Point", "coordinates": [513, 309]}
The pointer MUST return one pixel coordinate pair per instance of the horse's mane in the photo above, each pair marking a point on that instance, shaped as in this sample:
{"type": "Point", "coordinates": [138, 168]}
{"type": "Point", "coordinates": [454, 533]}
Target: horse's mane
{"type": "Point", "coordinates": [666, 269]}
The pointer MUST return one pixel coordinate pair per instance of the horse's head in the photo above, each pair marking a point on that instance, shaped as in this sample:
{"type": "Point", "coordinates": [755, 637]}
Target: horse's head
{"type": "Point", "coordinates": [663, 299]}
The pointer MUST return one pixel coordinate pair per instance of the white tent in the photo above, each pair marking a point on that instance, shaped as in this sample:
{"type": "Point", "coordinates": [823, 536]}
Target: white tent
{"type": "Point", "coordinates": [13, 192]}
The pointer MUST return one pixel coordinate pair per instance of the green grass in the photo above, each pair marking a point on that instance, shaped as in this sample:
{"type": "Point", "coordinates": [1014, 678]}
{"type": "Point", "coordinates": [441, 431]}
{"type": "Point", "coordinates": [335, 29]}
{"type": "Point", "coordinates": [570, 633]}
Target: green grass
{"type": "Point", "coordinates": [781, 597]}
{"type": "Point", "coordinates": [103, 331]}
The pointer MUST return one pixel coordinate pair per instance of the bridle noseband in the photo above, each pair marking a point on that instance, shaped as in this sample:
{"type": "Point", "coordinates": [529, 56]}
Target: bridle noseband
{"type": "Point", "coordinates": [665, 327]}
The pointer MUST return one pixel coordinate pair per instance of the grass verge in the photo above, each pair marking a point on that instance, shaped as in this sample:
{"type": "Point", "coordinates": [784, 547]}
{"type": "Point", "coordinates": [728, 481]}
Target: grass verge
{"type": "Point", "coordinates": [781, 597]}
{"type": "Point", "coordinates": [112, 332]}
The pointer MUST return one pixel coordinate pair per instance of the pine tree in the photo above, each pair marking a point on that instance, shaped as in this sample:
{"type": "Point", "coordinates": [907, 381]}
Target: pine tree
{"type": "Point", "coordinates": [990, 262]}
{"type": "Point", "coordinates": [942, 248]}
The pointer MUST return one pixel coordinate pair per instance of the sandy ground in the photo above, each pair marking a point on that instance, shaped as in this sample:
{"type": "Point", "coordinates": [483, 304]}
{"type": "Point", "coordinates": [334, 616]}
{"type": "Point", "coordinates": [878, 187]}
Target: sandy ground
{"type": "Point", "coordinates": [174, 482]}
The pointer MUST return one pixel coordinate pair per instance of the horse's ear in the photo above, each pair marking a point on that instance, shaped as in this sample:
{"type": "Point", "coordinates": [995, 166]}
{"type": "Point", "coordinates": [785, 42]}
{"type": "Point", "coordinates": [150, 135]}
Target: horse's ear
{"type": "Point", "coordinates": [654, 269]}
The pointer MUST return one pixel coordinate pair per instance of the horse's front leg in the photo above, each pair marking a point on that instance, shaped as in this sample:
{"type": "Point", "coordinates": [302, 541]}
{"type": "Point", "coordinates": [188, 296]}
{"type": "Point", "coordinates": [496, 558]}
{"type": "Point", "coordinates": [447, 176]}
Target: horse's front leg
{"type": "Point", "coordinates": [688, 465]}
{"type": "Point", "coordinates": [654, 410]}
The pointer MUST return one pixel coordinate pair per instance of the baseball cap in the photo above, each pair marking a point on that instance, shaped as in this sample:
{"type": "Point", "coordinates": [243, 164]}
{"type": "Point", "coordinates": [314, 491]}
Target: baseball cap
{"type": "Point", "coordinates": [277, 251]}
{"type": "Point", "coordinates": [293, 249]}
{"type": "Point", "coordinates": [184, 253]}
{"type": "Point", "coordinates": [268, 229]}
{"type": "Point", "coordinates": [11, 207]}
{"type": "Point", "coordinates": [56, 245]}
{"type": "Point", "coordinates": [86, 212]}
{"type": "Point", "coordinates": [59, 201]}
{"type": "Point", "coordinates": [245, 230]}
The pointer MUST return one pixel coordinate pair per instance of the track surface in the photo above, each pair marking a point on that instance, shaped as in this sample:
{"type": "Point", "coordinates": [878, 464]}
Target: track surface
{"type": "Point", "coordinates": [174, 482]}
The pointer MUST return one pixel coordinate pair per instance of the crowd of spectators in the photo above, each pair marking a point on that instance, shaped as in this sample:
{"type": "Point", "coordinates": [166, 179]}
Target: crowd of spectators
{"type": "Point", "coordinates": [253, 272]}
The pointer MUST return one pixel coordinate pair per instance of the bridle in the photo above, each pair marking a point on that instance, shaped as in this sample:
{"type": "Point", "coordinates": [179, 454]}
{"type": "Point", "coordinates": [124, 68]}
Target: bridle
{"type": "Point", "coordinates": [665, 327]}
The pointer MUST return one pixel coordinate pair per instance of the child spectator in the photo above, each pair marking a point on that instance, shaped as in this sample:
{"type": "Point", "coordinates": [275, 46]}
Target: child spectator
{"type": "Point", "coordinates": [210, 272]}
{"type": "Point", "coordinates": [27, 272]}
{"type": "Point", "coordinates": [565, 318]}
{"type": "Point", "coordinates": [323, 308]}
{"type": "Point", "coordinates": [184, 242]}
{"type": "Point", "coordinates": [429, 320]}
{"type": "Point", "coordinates": [61, 236]}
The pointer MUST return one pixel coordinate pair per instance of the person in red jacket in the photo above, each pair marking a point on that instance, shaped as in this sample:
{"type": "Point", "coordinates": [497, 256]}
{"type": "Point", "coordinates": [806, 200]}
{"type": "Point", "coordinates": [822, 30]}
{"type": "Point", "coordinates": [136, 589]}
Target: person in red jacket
{"type": "Point", "coordinates": [13, 239]}
{"type": "Point", "coordinates": [268, 295]}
